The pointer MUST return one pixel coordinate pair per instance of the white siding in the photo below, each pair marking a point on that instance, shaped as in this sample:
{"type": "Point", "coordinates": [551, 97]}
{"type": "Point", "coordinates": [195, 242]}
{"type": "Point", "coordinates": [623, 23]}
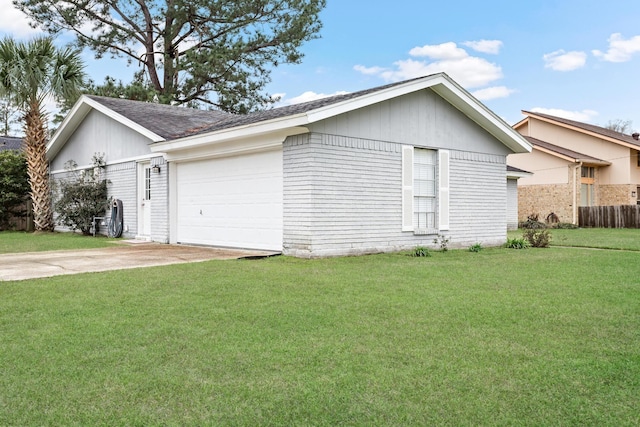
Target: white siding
{"type": "Point", "coordinates": [421, 119]}
{"type": "Point", "coordinates": [344, 196]}
{"type": "Point", "coordinates": [122, 185]}
{"type": "Point", "coordinates": [512, 204]}
{"type": "Point", "coordinates": [160, 201]}
{"type": "Point", "coordinates": [101, 134]}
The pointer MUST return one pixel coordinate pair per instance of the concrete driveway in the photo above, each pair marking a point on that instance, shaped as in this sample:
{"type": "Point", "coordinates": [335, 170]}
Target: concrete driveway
{"type": "Point", "coordinates": [32, 265]}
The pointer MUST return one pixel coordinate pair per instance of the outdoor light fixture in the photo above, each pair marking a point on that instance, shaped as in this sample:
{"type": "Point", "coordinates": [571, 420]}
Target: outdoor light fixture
{"type": "Point", "coordinates": [633, 194]}
{"type": "Point", "coordinates": [156, 169]}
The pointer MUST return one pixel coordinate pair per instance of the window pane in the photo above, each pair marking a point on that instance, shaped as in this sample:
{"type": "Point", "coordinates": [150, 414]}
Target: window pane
{"type": "Point", "coordinates": [424, 188]}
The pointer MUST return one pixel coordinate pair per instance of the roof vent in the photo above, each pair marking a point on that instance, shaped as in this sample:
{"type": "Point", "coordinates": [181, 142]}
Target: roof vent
{"type": "Point", "coordinates": [635, 136]}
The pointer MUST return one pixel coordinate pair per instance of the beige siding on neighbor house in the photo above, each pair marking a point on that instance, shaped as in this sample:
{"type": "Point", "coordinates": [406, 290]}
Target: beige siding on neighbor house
{"type": "Point", "coordinates": [546, 169]}
{"type": "Point", "coordinates": [620, 157]}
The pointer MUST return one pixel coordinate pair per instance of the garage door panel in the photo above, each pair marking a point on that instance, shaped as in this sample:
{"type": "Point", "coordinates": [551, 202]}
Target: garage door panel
{"type": "Point", "coordinates": [234, 202]}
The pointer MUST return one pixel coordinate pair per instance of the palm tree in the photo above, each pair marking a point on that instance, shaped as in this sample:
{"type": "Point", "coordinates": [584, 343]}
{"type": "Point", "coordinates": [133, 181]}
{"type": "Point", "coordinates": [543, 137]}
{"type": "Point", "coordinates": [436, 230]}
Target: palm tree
{"type": "Point", "coordinates": [30, 73]}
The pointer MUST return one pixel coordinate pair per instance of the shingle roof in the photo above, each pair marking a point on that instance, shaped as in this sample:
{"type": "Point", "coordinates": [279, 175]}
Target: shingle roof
{"type": "Point", "coordinates": [10, 143]}
{"type": "Point", "coordinates": [590, 128]}
{"type": "Point", "coordinates": [167, 121]}
{"type": "Point", "coordinates": [289, 110]}
{"type": "Point", "coordinates": [172, 122]}
{"type": "Point", "coordinates": [514, 169]}
{"type": "Point", "coordinates": [565, 151]}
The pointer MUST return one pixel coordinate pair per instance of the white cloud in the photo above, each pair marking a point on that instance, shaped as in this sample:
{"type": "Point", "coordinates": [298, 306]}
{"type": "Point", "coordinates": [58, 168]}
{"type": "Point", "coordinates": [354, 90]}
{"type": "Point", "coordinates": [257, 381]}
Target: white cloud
{"type": "Point", "coordinates": [565, 61]}
{"type": "Point", "coordinates": [309, 96]}
{"type": "Point", "coordinates": [13, 22]}
{"type": "Point", "coordinates": [440, 51]}
{"type": "Point", "coordinates": [485, 46]}
{"type": "Point", "coordinates": [369, 71]}
{"type": "Point", "coordinates": [469, 71]}
{"type": "Point", "coordinates": [493, 92]}
{"type": "Point", "coordinates": [620, 50]}
{"type": "Point", "coordinates": [580, 116]}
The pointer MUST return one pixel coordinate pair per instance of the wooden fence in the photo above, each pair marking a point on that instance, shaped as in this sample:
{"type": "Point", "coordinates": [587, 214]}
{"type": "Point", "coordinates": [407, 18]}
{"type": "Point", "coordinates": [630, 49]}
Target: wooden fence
{"type": "Point", "coordinates": [24, 222]}
{"type": "Point", "coordinates": [624, 216]}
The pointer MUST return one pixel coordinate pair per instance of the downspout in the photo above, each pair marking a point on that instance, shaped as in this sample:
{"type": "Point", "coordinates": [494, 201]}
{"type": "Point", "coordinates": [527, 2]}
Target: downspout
{"type": "Point", "coordinates": [575, 192]}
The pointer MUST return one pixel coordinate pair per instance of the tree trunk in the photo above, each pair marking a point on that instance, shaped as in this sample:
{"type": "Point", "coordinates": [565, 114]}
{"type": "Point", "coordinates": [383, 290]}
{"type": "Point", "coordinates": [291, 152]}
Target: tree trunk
{"type": "Point", "coordinates": [38, 168]}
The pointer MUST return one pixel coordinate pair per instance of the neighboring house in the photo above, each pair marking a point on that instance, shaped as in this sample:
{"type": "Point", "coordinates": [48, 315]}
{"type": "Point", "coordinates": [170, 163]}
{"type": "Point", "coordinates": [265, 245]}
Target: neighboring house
{"type": "Point", "coordinates": [383, 169]}
{"type": "Point", "coordinates": [10, 143]}
{"type": "Point", "coordinates": [574, 164]}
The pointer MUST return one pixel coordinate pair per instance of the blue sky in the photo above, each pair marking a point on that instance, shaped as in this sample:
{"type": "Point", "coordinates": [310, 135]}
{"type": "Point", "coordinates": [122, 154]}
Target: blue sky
{"type": "Point", "coordinates": [576, 59]}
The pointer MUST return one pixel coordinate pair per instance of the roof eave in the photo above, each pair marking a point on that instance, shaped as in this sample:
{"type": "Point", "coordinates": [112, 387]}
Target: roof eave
{"type": "Point", "coordinates": [584, 131]}
{"type": "Point", "coordinates": [78, 112]}
{"type": "Point", "coordinates": [518, 175]}
{"type": "Point", "coordinates": [287, 126]}
{"type": "Point", "coordinates": [440, 83]}
{"type": "Point", "coordinates": [481, 115]}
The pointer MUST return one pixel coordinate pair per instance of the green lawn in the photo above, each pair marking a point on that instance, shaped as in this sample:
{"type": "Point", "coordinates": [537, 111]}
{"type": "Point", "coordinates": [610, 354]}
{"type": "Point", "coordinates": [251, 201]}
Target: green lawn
{"type": "Point", "coordinates": [17, 241]}
{"type": "Point", "coordinates": [499, 337]}
{"type": "Point", "coordinates": [603, 238]}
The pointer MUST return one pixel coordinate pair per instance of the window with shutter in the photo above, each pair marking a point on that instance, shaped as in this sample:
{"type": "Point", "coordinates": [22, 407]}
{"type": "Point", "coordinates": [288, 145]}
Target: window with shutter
{"type": "Point", "coordinates": [425, 190]}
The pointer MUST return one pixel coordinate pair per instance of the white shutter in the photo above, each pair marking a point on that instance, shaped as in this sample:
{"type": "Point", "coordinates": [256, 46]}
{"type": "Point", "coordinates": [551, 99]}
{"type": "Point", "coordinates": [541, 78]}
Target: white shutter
{"type": "Point", "coordinates": [407, 188]}
{"type": "Point", "coordinates": [443, 200]}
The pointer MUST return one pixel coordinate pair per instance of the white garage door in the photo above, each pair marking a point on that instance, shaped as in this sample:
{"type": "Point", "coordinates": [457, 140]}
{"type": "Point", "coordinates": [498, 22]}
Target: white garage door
{"type": "Point", "coordinates": [232, 201]}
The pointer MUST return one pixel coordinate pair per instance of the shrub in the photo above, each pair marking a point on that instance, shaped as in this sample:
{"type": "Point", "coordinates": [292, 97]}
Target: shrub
{"type": "Point", "coordinates": [475, 248]}
{"type": "Point", "coordinates": [537, 238]}
{"type": "Point", "coordinates": [532, 223]}
{"type": "Point", "coordinates": [14, 185]}
{"type": "Point", "coordinates": [443, 242]}
{"type": "Point", "coordinates": [421, 251]}
{"type": "Point", "coordinates": [517, 243]}
{"type": "Point", "coordinates": [83, 196]}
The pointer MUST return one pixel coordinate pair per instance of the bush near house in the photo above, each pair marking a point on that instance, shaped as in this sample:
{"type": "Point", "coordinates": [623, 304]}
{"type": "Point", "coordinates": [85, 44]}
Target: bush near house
{"type": "Point", "coordinates": [83, 196]}
{"type": "Point", "coordinates": [14, 186]}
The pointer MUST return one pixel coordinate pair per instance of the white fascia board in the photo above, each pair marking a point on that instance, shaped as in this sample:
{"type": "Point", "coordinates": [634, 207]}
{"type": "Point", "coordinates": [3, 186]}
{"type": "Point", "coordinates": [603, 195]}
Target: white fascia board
{"type": "Point", "coordinates": [67, 127]}
{"type": "Point", "coordinates": [518, 175]}
{"type": "Point", "coordinates": [279, 128]}
{"type": "Point", "coordinates": [79, 111]}
{"type": "Point", "coordinates": [374, 97]}
{"type": "Point", "coordinates": [226, 148]}
{"type": "Point", "coordinates": [450, 91]}
{"type": "Point", "coordinates": [479, 113]}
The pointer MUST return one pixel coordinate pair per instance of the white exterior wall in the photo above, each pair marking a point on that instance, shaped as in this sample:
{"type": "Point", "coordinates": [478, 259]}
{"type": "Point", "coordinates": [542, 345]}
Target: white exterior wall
{"type": "Point", "coordinates": [101, 134]}
{"type": "Point", "coordinates": [342, 182]}
{"type": "Point", "coordinates": [512, 204]}
{"type": "Point", "coordinates": [343, 196]}
{"type": "Point", "coordinates": [122, 148]}
{"type": "Point", "coordinates": [123, 185]}
{"type": "Point", "coordinates": [160, 201]}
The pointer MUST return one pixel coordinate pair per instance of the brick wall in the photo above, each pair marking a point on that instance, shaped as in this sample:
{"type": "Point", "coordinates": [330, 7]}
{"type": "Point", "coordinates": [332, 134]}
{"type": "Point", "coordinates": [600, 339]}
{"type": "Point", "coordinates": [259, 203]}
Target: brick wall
{"type": "Point", "coordinates": [613, 195]}
{"type": "Point", "coordinates": [544, 199]}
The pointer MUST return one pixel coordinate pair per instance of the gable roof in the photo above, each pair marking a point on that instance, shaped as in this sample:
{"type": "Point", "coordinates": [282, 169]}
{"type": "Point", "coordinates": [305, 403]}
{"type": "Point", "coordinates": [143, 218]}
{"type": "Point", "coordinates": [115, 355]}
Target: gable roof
{"type": "Point", "coordinates": [157, 122]}
{"type": "Point", "coordinates": [293, 119]}
{"type": "Point", "coordinates": [167, 121]}
{"type": "Point", "coordinates": [173, 129]}
{"type": "Point", "coordinates": [588, 129]}
{"type": "Point", "coordinates": [564, 153]}
{"type": "Point", "coordinates": [10, 143]}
